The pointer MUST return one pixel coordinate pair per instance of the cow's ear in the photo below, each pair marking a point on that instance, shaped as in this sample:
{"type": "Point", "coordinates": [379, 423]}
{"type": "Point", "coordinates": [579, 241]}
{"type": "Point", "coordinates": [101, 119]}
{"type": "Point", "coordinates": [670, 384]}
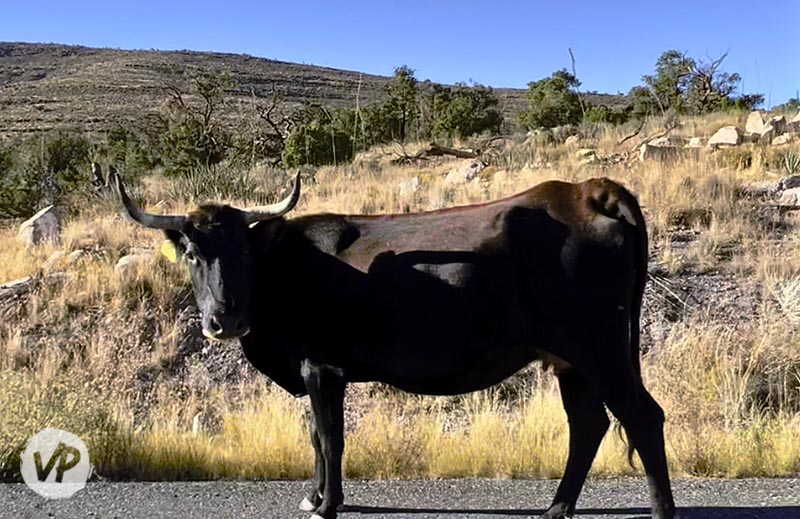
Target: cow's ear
{"type": "Point", "coordinates": [173, 246]}
{"type": "Point", "coordinates": [265, 235]}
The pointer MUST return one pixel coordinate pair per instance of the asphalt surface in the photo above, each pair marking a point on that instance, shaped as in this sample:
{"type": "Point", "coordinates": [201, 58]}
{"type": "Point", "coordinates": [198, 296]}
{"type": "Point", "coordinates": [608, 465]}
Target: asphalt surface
{"type": "Point", "coordinates": [467, 498]}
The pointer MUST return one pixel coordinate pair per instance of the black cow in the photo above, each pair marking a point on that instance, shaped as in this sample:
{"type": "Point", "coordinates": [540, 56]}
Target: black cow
{"type": "Point", "coordinates": [437, 303]}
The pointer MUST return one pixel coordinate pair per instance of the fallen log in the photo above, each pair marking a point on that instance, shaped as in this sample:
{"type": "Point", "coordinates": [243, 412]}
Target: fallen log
{"type": "Point", "coordinates": [435, 150]}
{"type": "Point", "coordinates": [16, 288]}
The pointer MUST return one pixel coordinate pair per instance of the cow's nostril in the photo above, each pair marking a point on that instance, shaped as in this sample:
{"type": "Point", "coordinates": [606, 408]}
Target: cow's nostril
{"type": "Point", "coordinates": [214, 324]}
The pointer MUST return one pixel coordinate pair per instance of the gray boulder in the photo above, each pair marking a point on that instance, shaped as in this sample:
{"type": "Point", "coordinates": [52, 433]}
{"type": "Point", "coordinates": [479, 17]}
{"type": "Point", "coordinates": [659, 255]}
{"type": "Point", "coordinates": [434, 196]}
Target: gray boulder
{"type": "Point", "coordinates": [778, 124]}
{"type": "Point", "coordinates": [465, 172]}
{"type": "Point", "coordinates": [129, 262]}
{"type": "Point", "coordinates": [755, 123]}
{"type": "Point", "coordinates": [726, 136]}
{"type": "Point", "coordinates": [790, 182]}
{"type": "Point", "coordinates": [790, 197]}
{"type": "Point", "coordinates": [794, 125]}
{"type": "Point", "coordinates": [786, 138]}
{"type": "Point", "coordinates": [767, 134]}
{"type": "Point", "coordinates": [41, 228]}
{"type": "Point", "coordinates": [665, 153]}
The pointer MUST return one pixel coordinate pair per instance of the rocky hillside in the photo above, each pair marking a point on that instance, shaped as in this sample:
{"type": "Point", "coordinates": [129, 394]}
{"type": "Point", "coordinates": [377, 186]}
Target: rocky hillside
{"type": "Point", "coordinates": [46, 86]}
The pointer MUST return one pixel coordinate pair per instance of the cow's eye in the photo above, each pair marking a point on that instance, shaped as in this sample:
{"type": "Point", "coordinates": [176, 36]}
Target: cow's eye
{"type": "Point", "coordinates": [190, 257]}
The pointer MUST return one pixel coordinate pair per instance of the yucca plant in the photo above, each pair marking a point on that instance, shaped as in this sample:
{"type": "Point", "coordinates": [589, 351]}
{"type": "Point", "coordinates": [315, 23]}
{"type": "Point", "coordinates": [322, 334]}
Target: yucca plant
{"type": "Point", "coordinates": [791, 162]}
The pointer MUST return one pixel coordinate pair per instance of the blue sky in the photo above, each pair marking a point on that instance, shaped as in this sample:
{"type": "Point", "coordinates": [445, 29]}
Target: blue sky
{"type": "Point", "coordinates": [500, 43]}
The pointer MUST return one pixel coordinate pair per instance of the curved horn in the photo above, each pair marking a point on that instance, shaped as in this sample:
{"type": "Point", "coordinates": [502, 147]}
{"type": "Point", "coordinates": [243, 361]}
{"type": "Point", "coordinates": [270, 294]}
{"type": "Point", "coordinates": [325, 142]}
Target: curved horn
{"type": "Point", "coordinates": [268, 212]}
{"type": "Point", "coordinates": [153, 221]}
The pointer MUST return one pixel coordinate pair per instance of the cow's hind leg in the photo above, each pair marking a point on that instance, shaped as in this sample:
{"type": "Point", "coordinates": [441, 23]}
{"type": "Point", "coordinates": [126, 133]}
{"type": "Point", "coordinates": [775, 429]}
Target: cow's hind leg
{"type": "Point", "coordinates": [588, 423]}
{"type": "Point", "coordinates": [325, 385]}
{"type": "Point", "coordinates": [621, 388]}
{"type": "Point", "coordinates": [643, 420]}
{"type": "Point", "coordinates": [314, 497]}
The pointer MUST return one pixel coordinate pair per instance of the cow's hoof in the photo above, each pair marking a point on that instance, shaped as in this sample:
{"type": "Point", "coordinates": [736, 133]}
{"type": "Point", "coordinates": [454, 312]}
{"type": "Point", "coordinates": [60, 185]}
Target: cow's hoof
{"type": "Point", "coordinates": [307, 506]}
{"type": "Point", "coordinates": [557, 511]}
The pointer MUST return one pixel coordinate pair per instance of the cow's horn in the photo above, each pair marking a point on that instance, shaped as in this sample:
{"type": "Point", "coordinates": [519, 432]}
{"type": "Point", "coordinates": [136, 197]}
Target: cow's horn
{"type": "Point", "coordinates": [267, 212]}
{"type": "Point", "coordinates": [153, 221]}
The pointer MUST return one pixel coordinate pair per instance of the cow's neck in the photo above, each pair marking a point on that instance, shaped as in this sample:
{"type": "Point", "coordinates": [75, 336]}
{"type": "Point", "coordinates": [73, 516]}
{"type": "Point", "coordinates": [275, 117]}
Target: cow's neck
{"type": "Point", "coordinates": [306, 291]}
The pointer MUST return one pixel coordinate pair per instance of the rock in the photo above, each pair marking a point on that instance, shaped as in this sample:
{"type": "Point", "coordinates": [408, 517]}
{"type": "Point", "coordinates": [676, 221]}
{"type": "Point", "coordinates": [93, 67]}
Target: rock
{"type": "Point", "coordinates": [40, 228]}
{"type": "Point", "coordinates": [790, 182]}
{"type": "Point", "coordinates": [695, 142]}
{"type": "Point", "coordinates": [666, 140]}
{"type": "Point", "coordinates": [778, 122]}
{"type": "Point", "coordinates": [794, 125]}
{"type": "Point", "coordinates": [767, 135]}
{"type": "Point", "coordinates": [786, 138]}
{"type": "Point", "coordinates": [759, 188]}
{"type": "Point", "coordinates": [541, 137]}
{"type": "Point", "coordinates": [465, 172]}
{"type": "Point", "coordinates": [755, 123]}
{"type": "Point", "coordinates": [130, 261]}
{"type": "Point", "coordinates": [560, 133]}
{"type": "Point", "coordinates": [790, 197]}
{"type": "Point", "coordinates": [751, 137]}
{"type": "Point", "coordinates": [726, 136]}
{"type": "Point", "coordinates": [572, 141]}
{"type": "Point", "coordinates": [409, 187]}
{"type": "Point", "coordinates": [664, 153]}
{"type": "Point", "coordinates": [76, 255]}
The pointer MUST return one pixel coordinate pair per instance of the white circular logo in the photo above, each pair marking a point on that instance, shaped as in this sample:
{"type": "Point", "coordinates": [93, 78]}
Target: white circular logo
{"type": "Point", "coordinates": [55, 464]}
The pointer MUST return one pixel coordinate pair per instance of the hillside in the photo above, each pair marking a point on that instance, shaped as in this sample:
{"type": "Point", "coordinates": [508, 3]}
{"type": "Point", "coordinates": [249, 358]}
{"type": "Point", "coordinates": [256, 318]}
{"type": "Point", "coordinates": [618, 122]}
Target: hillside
{"type": "Point", "coordinates": [47, 86]}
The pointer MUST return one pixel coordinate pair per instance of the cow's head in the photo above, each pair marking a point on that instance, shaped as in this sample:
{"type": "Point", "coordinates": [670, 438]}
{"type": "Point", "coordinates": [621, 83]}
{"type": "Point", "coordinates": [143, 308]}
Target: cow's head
{"type": "Point", "coordinates": [216, 242]}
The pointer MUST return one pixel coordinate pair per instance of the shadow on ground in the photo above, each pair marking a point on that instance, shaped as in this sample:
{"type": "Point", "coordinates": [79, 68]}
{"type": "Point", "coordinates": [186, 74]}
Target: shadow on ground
{"type": "Point", "coordinates": [693, 512]}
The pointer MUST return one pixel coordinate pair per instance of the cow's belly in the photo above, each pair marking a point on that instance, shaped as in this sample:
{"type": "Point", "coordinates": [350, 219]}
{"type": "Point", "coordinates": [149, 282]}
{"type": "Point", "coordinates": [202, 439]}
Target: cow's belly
{"type": "Point", "coordinates": [479, 373]}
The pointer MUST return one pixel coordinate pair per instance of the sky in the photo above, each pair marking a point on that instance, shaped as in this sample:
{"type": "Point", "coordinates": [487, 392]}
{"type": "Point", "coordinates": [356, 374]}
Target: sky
{"type": "Point", "coordinates": [501, 43]}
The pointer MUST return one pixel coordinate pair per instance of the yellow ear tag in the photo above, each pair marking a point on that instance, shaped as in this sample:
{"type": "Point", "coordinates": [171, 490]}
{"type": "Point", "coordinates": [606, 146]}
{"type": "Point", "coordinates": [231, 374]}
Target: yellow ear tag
{"type": "Point", "coordinates": [169, 251]}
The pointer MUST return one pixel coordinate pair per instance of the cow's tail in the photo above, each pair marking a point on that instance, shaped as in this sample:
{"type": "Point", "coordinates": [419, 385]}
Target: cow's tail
{"type": "Point", "coordinates": [628, 209]}
{"type": "Point", "coordinates": [639, 281]}
{"type": "Point", "coordinates": [637, 295]}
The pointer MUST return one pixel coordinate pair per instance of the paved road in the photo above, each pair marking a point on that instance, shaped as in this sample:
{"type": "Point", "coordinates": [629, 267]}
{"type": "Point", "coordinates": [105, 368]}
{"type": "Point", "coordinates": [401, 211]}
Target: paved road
{"type": "Point", "coordinates": [470, 499]}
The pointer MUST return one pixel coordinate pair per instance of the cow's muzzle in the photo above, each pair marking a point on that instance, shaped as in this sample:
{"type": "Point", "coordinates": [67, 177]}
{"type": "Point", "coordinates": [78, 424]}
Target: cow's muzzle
{"type": "Point", "coordinates": [220, 326]}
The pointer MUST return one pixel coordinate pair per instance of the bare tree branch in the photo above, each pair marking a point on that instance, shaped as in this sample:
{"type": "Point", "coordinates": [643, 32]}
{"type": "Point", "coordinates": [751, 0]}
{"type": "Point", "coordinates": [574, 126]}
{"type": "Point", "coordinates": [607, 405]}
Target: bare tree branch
{"type": "Point", "coordinates": [577, 90]}
{"type": "Point", "coordinates": [634, 134]}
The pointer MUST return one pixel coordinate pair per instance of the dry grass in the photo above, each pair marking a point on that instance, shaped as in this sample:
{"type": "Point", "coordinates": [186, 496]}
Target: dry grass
{"type": "Point", "coordinates": [90, 350]}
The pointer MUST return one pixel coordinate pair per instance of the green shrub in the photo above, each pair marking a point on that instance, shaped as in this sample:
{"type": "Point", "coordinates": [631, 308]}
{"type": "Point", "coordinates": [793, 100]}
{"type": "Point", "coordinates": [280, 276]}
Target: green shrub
{"type": "Point", "coordinates": [464, 111]}
{"type": "Point", "coordinates": [604, 114]}
{"type": "Point", "coordinates": [43, 169]}
{"type": "Point", "coordinates": [20, 187]}
{"type": "Point", "coordinates": [190, 145]}
{"type": "Point", "coordinates": [128, 152]}
{"type": "Point", "coordinates": [212, 183]}
{"type": "Point", "coordinates": [552, 102]}
{"type": "Point", "coordinates": [321, 137]}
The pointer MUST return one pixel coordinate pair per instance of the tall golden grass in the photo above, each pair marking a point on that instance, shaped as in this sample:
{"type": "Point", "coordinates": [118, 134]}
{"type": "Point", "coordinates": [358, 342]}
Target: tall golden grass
{"type": "Point", "coordinates": [87, 350]}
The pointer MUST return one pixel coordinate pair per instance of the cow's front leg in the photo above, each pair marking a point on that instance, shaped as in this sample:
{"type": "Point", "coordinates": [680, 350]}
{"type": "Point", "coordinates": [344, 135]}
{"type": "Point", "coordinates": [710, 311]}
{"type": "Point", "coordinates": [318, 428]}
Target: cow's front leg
{"type": "Point", "coordinates": [325, 385]}
{"type": "Point", "coordinates": [314, 497]}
